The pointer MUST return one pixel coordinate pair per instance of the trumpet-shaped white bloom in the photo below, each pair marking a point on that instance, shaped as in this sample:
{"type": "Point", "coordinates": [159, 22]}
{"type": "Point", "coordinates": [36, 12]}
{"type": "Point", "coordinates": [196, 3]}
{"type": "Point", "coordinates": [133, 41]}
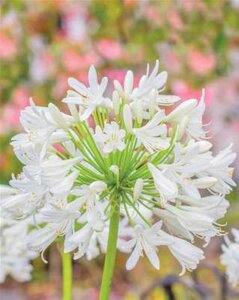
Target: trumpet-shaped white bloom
{"type": "Point", "coordinates": [188, 222]}
{"type": "Point", "coordinates": [187, 254]}
{"type": "Point", "coordinates": [230, 257]}
{"type": "Point", "coordinates": [130, 164]}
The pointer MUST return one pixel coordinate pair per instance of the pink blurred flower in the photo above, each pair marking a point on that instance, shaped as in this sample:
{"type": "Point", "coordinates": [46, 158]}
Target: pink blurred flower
{"type": "Point", "coordinates": [152, 14]}
{"type": "Point", "coordinates": [72, 60]}
{"type": "Point", "coordinates": [173, 62]}
{"type": "Point", "coordinates": [75, 21]}
{"type": "Point", "coordinates": [175, 20]}
{"type": "Point", "coordinates": [8, 46]}
{"type": "Point", "coordinates": [109, 49]}
{"type": "Point", "coordinates": [115, 74]}
{"type": "Point", "coordinates": [11, 111]}
{"type": "Point", "coordinates": [42, 67]}
{"type": "Point", "coordinates": [11, 117]}
{"type": "Point", "coordinates": [21, 97]}
{"type": "Point", "coordinates": [60, 86]}
{"type": "Point", "coordinates": [119, 74]}
{"type": "Point", "coordinates": [90, 58]}
{"type": "Point", "coordinates": [235, 126]}
{"type": "Point", "coordinates": [130, 2]}
{"type": "Point", "coordinates": [201, 63]}
{"type": "Point", "coordinates": [185, 91]}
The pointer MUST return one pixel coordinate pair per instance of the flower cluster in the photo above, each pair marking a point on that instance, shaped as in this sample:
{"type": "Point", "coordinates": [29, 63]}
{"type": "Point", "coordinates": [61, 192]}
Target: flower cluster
{"type": "Point", "coordinates": [121, 155]}
{"type": "Point", "coordinates": [14, 252]}
{"type": "Point", "coordinates": [230, 257]}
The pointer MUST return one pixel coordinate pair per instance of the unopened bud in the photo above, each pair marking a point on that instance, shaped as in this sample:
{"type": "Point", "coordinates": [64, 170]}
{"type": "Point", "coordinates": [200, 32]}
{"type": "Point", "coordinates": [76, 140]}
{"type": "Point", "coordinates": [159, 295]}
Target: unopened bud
{"type": "Point", "coordinates": [118, 87]}
{"type": "Point", "coordinates": [129, 82]}
{"type": "Point", "coordinates": [98, 186]}
{"type": "Point", "coordinates": [128, 121]}
{"type": "Point", "coordinates": [116, 102]}
{"type": "Point", "coordinates": [138, 188]}
{"type": "Point", "coordinates": [115, 169]}
{"type": "Point", "coordinates": [152, 102]}
{"type": "Point", "coordinates": [182, 110]}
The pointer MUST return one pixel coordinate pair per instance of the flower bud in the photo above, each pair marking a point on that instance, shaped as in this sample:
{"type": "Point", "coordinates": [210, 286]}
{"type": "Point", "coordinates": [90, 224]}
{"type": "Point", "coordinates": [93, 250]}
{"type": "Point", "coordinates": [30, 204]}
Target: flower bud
{"type": "Point", "coordinates": [182, 110]}
{"type": "Point", "coordinates": [182, 127]}
{"type": "Point", "coordinates": [139, 112]}
{"type": "Point", "coordinates": [138, 188]}
{"type": "Point", "coordinates": [128, 82]}
{"type": "Point", "coordinates": [152, 102]}
{"type": "Point", "coordinates": [118, 87]}
{"type": "Point", "coordinates": [128, 121]}
{"type": "Point", "coordinates": [115, 169]}
{"type": "Point", "coordinates": [116, 102]}
{"type": "Point", "coordinates": [98, 186]}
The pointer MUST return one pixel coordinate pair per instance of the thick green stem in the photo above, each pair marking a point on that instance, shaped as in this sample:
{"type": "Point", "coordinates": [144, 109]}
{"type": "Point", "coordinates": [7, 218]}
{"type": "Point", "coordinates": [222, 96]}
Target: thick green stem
{"type": "Point", "coordinates": [67, 276]}
{"type": "Point", "coordinates": [111, 250]}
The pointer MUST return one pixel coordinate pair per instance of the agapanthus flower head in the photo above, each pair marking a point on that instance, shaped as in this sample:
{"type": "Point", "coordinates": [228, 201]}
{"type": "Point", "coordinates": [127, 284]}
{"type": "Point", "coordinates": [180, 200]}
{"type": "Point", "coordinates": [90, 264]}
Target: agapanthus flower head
{"type": "Point", "coordinates": [230, 257]}
{"type": "Point", "coordinates": [121, 154]}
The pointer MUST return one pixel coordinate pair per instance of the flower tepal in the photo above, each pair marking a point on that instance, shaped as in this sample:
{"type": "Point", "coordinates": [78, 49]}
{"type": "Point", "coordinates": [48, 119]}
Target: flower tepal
{"type": "Point", "coordinates": [125, 157]}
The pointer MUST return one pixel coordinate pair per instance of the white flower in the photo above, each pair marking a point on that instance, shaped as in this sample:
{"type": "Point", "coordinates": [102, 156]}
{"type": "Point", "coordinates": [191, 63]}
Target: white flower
{"type": "Point", "coordinates": [214, 206]}
{"type": "Point", "coordinates": [61, 211]}
{"type": "Point", "coordinates": [218, 167]}
{"type": "Point", "coordinates": [27, 198]}
{"type": "Point", "coordinates": [144, 240]}
{"type": "Point", "coordinates": [14, 253]}
{"type": "Point", "coordinates": [88, 195]}
{"type": "Point", "coordinates": [40, 127]}
{"type": "Point", "coordinates": [192, 221]}
{"type": "Point", "coordinates": [189, 117]}
{"type": "Point", "coordinates": [89, 98]}
{"type": "Point", "coordinates": [230, 258]}
{"type": "Point", "coordinates": [54, 171]}
{"type": "Point", "coordinates": [134, 166]}
{"type": "Point", "coordinates": [89, 236]}
{"type": "Point", "coordinates": [111, 138]}
{"type": "Point", "coordinates": [186, 254]}
{"type": "Point", "coordinates": [166, 188]}
{"type": "Point", "coordinates": [153, 135]}
{"type": "Point", "coordinates": [147, 92]}
{"type": "Point", "coordinates": [39, 239]}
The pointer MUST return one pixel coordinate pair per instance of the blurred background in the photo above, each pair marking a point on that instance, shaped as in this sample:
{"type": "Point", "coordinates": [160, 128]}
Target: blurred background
{"type": "Point", "coordinates": [43, 42]}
